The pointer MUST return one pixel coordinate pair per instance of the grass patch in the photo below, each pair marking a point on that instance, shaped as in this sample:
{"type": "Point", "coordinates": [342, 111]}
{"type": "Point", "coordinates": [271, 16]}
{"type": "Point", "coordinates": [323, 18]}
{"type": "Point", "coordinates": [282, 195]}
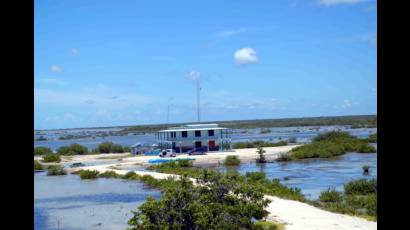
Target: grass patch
{"type": "Point", "coordinates": [268, 225]}
{"type": "Point", "coordinates": [73, 149]}
{"type": "Point", "coordinates": [88, 174]}
{"type": "Point", "coordinates": [51, 158]}
{"type": "Point", "coordinates": [372, 138]}
{"type": "Point", "coordinates": [56, 170]}
{"type": "Point", "coordinates": [331, 144]}
{"type": "Point", "coordinates": [108, 147]}
{"type": "Point", "coordinates": [232, 161]}
{"type": "Point", "coordinates": [361, 187]}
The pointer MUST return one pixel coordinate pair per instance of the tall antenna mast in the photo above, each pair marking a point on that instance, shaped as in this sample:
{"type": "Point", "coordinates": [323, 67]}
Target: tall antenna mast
{"type": "Point", "coordinates": [198, 88]}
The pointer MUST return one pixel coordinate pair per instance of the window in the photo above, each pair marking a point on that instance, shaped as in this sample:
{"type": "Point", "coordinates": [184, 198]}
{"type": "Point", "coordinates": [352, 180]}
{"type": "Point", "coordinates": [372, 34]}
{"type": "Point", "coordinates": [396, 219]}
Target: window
{"type": "Point", "coordinates": [184, 133]}
{"type": "Point", "coordinates": [210, 133]}
{"type": "Point", "coordinates": [197, 133]}
{"type": "Point", "coordinates": [173, 134]}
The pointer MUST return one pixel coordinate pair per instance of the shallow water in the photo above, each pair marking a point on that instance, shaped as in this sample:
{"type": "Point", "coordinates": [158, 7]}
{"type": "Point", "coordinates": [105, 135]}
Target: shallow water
{"type": "Point", "coordinates": [302, 135]}
{"type": "Point", "coordinates": [67, 202]}
{"type": "Point", "coordinates": [315, 175]}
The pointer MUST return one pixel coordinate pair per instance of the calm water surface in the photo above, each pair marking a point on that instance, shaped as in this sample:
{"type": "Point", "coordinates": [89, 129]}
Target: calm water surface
{"type": "Point", "coordinates": [314, 176]}
{"type": "Point", "coordinates": [67, 202]}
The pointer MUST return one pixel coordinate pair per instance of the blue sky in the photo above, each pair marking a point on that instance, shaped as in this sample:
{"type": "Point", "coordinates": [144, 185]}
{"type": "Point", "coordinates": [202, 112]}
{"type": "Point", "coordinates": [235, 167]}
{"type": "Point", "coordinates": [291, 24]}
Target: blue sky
{"type": "Point", "coordinates": [109, 63]}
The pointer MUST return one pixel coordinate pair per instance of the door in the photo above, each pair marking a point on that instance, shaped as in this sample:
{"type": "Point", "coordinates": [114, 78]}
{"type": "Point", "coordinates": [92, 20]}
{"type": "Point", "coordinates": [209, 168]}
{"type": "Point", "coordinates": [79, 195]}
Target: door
{"type": "Point", "coordinates": [198, 144]}
{"type": "Point", "coordinates": [211, 144]}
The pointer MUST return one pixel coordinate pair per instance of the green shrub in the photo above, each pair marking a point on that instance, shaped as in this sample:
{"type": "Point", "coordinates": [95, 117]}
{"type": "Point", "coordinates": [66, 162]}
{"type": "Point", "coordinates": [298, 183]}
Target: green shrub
{"type": "Point", "coordinates": [73, 149]}
{"type": "Point", "coordinates": [51, 158]}
{"type": "Point", "coordinates": [42, 151]}
{"type": "Point", "coordinates": [332, 136]}
{"type": "Point", "coordinates": [331, 195]}
{"type": "Point", "coordinates": [185, 163]}
{"type": "Point", "coordinates": [255, 144]}
{"type": "Point", "coordinates": [88, 174]}
{"type": "Point", "coordinates": [232, 161]}
{"type": "Point", "coordinates": [255, 176]}
{"type": "Point", "coordinates": [184, 206]}
{"type": "Point", "coordinates": [284, 157]}
{"type": "Point", "coordinates": [56, 170]}
{"type": "Point", "coordinates": [38, 166]}
{"type": "Point", "coordinates": [109, 147]}
{"type": "Point", "coordinates": [130, 176]}
{"type": "Point", "coordinates": [365, 148]}
{"type": "Point", "coordinates": [127, 149]}
{"type": "Point", "coordinates": [262, 158]}
{"type": "Point", "coordinates": [109, 174]}
{"type": "Point", "coordinates": [361, 187]}
{"type": "Point", "coordinates": [372, 138]}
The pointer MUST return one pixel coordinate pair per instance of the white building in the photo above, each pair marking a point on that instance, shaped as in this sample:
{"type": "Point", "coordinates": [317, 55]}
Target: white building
{"type": "Point", "coordinates": [184, 138]}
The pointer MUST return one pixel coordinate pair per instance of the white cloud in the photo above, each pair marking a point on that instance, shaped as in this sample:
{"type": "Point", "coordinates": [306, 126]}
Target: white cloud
{"type": "Point", "coordinates": [346, 104]}
{"type": "Point", "coordinates": [339, 2]}
{"type": "Point", "coordinates": [56, 69]}
{"type": "Point", "coordinates": [228, 33]}
{"type": "Point", "coordinates": [75, 51]}
{"type": "Point", "coordinates": [193, 75]}
{"type": "Point", "coordinates": [245, 56]}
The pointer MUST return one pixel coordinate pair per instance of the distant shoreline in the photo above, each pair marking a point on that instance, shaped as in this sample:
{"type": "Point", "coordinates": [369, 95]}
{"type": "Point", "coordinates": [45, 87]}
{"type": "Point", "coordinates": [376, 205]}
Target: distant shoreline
{"type": "Point", "coordinates": [251, 123]}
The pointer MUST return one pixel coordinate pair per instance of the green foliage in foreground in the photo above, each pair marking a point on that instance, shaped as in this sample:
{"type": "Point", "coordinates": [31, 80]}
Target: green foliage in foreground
{"type": "Point", "coordinates": [372, 138]}
{"type": "Point", "coordinates": [232, 161]}
{"type": "Point", "coordinates": [56, 170]}
{"type": "Point", "coordinates": [38, 166]}
{"type": "Point", "coordinates": [42, 151]}
{"type": "Point", "coordinates": [284, 157]}
{"type": "Point", "coordinates": [217, 203]}
{"type": "Point", "coordinates": [331, 144]}
{"type": "Point", "coordinates": [359, 198]}
{"type": "Point", "coordinates": [255, 144]}
{"type": "Point", "coordinates": [51, 158]}
{"type": "Point", "coordinates": [73, 149]}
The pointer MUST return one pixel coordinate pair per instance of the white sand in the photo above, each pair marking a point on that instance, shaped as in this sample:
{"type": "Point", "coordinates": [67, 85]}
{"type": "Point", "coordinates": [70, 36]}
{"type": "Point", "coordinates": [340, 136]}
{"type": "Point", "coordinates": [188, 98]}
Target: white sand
{"type": "Point", "coordinates": [294, 214]}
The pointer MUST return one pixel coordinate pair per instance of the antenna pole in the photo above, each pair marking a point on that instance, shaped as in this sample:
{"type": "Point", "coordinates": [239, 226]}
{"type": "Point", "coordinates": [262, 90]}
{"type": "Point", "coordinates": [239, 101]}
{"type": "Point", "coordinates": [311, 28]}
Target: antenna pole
{"type": "Point", "coordinates": [198, 88]}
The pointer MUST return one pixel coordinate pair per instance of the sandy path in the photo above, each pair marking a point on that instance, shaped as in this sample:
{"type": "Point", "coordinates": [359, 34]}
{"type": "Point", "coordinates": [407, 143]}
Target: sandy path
{"type": "Point", "coordinates": [294, 214]}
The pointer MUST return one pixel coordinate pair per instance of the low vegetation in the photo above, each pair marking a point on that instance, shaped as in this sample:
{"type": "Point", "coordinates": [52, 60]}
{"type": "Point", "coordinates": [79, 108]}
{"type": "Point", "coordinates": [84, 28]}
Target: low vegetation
{"type": "Point", "coordinates": [108, 147]}
{"type": "Point", "coordinates": [255, 144]}
{"type": "Point", "coordinates": [51, 158]}
{"type": "Point", "coordinates": [88, 174]}
{"type": "Point", "coordinates": [264, 131]}
{"type": "Point", "coordinates": [256, 179]}
{"type": "Point", "coordinates": [364, 120]}
{"type": "Point", "coordinates": [232, 161]}
{"type": "Point", "coordinates": [267, 225]}
{"type": "Point", "coordinates": [56, 170]}
{"type": "Point", "coordinates": [42, 151]}
{"type": "Point", "coordinates": [359, 198]}
{"type": "Point", "coordinates": [372, 138]}
{"type": "Point", "coordinates": [284, 157]}
{"type": "Point", "coordinates": [73, 149]}
{"type": "Point", "coordinates": [109, 174]}
{"type": "Point", "coordinates": [331, 144]}
{"type": "Point", "coordinates": [38, 166]}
